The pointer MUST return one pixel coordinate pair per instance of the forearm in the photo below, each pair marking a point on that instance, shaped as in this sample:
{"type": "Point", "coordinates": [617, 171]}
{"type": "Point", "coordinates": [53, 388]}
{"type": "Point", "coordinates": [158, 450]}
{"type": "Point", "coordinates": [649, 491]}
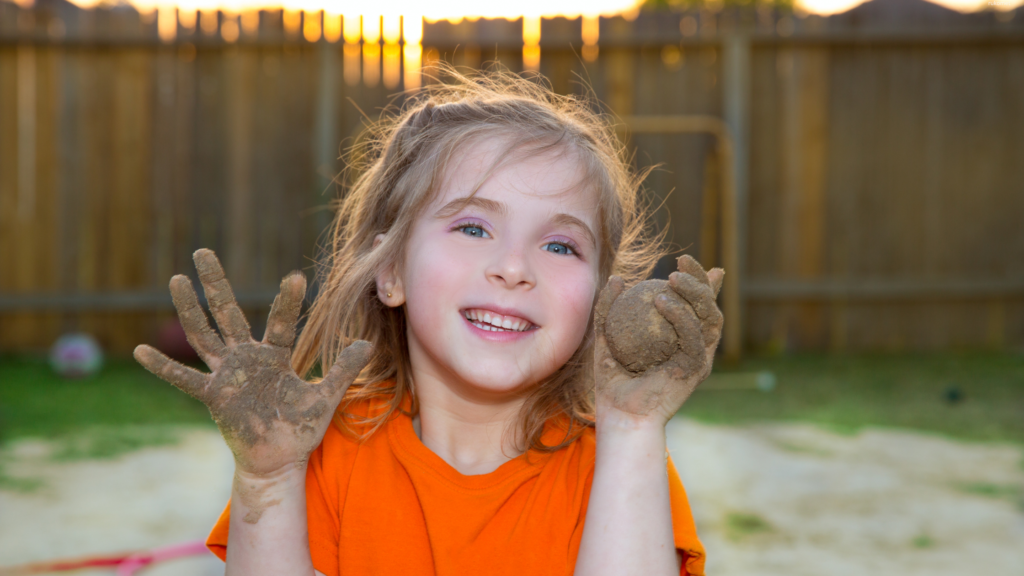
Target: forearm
{"type": "Point", "coordinates": [628, 527]}
{"type": "Point", "coordinates": [268, 531]}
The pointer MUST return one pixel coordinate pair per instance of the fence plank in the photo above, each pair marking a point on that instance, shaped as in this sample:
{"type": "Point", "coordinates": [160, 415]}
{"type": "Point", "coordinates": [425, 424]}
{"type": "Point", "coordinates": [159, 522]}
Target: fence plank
{"type": "Point", "coordinates": [898, 162]}
{"type": "Point", "coordinates": [239, 91]}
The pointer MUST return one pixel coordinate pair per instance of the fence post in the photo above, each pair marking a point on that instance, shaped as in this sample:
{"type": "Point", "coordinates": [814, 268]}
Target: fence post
{"type": "Point", "coordinates": [326, 129]}
{"type": "Point", "coordinates": [736, 108]}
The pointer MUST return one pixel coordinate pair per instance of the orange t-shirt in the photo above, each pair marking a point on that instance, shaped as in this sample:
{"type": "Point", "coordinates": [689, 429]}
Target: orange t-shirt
{"type": "Point", "coordinates": [389, 505]}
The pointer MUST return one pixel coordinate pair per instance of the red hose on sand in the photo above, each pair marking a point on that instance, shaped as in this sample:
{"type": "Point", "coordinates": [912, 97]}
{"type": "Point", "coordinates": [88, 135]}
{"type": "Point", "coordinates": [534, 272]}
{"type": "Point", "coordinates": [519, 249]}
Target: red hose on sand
{"type": "Point", "coordinates": [63, 565]}
{"type": "Point", "coordinates": [126, 564]}
{"type": "Point", "coordinates": [133, 563]}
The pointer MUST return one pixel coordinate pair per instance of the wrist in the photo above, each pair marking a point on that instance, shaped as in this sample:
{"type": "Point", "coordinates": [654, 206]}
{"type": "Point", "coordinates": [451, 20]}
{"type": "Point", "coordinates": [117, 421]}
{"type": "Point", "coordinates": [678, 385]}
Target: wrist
{"type": "Point", "coordinates": [614, 420]}
{"type": "Point", "coordinates": [284, 474]}
{"type": "Point", "coordinates": [253, 494]}
{"type": "Point", "coordinates": [623, 433]}
{"type": "Point", "coordinates": [268, 527]}
{"type": "Point", "coordinates": [283, 480]}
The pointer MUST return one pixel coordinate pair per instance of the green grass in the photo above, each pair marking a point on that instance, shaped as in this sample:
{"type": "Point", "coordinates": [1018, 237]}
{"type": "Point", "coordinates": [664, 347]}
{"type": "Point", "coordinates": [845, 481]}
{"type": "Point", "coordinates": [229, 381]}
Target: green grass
{"type": "Point", "coordinates": [991, 490]}
{"type": "Point", "coordinates": [114, 410]}
{"type": "Point", "coordinates": [20, 485]}
{"type": "Point", "coordinates": [111, 440]}
{"type": "Point", "coordinates": [120, 408]}
{"type": "Point", "coordinates": [847, 393]}
{"type": "Point", "coordinates": [1010, 492]}
{"type": "Point", "coordinates": [923, 541]}
{"type": "Point", "coordinates": [739, 525]}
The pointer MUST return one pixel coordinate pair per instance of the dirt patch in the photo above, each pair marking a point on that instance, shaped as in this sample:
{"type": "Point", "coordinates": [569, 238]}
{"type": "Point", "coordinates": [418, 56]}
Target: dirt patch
{"type": "Point", "coordinates": [788, 499]}
{"type": "Point", "coordinates": [768, 500]}
{"type": "Point", "coordinates": [145, 499]}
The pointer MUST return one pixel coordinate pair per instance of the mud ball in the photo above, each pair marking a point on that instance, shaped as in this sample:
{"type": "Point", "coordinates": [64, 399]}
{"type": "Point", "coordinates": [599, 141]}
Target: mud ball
{"type": "Point", "coordinates": [638, 335]}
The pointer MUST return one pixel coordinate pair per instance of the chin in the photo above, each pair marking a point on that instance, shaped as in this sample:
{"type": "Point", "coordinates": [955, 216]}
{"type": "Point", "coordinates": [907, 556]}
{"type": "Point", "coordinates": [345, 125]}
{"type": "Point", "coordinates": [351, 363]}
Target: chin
{"type": "Point", "coordinates": [494, 382]}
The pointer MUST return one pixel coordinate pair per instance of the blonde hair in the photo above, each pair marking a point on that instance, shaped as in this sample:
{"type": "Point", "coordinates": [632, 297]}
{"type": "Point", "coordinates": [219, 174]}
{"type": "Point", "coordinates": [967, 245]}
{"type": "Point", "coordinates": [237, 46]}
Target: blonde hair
{"type": "Point", "coordinates": [398, 170]}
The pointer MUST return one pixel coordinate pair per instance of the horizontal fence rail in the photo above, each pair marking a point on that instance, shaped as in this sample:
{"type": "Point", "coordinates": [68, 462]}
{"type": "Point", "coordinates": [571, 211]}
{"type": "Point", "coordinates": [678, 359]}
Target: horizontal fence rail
{"type": "Point", "coordinates": [877, 290]}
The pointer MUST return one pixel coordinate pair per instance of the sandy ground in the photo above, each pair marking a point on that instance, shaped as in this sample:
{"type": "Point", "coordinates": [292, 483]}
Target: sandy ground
{"type": "Point", "coordinates": [146, 499]}
{"type": "Point", "coordinates": [880, 502]}
{"type": "Point", "coordinates": [769, 499]}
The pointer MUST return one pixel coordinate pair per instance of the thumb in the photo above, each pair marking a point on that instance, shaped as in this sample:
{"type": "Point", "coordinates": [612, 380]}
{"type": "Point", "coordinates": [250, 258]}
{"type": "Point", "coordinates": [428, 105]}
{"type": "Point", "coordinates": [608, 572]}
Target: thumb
{"type": "Point", "coordinates": [192, 382]}
{"type": "Point", "coordinates": [347, 367]}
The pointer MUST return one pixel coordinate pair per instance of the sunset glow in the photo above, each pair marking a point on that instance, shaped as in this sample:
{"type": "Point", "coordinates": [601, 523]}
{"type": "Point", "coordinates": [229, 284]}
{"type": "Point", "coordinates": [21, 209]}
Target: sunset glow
{"type": "Point", "coordinates": [383, 44]}
{"type": "Point", "coordinates": [827, 7]}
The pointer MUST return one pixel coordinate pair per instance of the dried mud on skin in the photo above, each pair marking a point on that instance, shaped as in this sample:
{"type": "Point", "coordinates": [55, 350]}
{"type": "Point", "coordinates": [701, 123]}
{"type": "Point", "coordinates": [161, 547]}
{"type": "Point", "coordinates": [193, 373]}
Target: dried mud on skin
{"type": "Point", "coordinates": [255, 392]}
{"type": "Point", "coordinates": [268, 416]}
{"type": "Point", "coordinates": [259, 404]}
{"type": "Point", "coordinates": [254, 497]}
{"type": "Point", "coordinates": [639, 337]}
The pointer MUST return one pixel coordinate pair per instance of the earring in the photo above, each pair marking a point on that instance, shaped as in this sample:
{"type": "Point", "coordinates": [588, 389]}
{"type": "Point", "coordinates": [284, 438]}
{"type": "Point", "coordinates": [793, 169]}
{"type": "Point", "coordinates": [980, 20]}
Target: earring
{"type": "Point", "coordinates": [389, 294]}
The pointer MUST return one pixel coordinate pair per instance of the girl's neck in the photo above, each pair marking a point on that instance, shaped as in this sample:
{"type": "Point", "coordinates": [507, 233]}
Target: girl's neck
{"type": "Point", "coordinates": [469, 435]}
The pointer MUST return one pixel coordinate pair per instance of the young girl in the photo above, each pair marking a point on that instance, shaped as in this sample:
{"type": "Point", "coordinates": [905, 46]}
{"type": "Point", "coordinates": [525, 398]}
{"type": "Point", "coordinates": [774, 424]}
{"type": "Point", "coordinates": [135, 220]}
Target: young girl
{"type": "Point", "coordinates": [484, 427]}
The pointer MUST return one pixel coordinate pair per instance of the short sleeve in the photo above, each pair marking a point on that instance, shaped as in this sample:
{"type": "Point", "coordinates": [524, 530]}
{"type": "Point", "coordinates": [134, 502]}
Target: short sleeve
{"type": "Point", "coordinates": [217, 541]}
{"type": "Point", "coordinates": [684, 530]}
{"type": "Point", "coordinates": [321, 511]}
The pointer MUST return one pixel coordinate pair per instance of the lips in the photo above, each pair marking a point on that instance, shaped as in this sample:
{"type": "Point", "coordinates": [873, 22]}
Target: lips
{"type": "Point", "coordinates": [501, 319]}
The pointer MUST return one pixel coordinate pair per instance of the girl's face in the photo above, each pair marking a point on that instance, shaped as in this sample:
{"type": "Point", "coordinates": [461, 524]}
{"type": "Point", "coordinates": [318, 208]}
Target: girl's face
{"type": "Point", "coordinates": [522, 255]}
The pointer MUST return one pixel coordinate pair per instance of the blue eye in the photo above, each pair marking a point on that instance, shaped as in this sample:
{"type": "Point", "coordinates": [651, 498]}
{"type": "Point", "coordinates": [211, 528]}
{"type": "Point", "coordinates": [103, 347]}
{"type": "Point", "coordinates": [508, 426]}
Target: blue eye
{"type": "Point", "coordinates": [477, 231]}
{"type": "Point", "coordinates": [561, 248]}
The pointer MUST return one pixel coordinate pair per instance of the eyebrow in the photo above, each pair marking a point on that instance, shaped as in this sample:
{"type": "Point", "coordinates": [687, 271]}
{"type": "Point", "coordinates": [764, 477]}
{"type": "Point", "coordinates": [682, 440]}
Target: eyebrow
{"type": "Point", "coordinates": [501, 208]}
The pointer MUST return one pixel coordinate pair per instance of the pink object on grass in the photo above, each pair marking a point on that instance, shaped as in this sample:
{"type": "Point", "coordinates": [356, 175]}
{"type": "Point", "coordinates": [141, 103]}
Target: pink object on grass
{"type": "Point", "coordinates": [133, 563]}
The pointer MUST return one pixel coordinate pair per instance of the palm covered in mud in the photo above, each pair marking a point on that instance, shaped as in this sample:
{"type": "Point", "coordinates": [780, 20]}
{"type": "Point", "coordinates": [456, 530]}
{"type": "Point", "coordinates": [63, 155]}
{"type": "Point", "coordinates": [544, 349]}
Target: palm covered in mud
{"type": "Point", "coordinates": [269, 417]}
{"type": "Point", "coordinates": [660, 390]}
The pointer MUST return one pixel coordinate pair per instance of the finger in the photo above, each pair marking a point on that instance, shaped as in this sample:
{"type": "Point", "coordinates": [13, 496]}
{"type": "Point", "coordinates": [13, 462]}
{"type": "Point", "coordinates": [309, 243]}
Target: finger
{"type": "Point", "coordinates": [608, 294]}
{"type": "Point", "coordinates": [701, 298]}
{"type": "Point", "coordinates": [686, 323]}
{"type": "Point", "coordinates": [189, 381]}
{"type": "Point", "coordinates": [219, 295]}
{"type": "Point", "coordinates": [688, 265]}
{"type": "Point", "coordinates": [346, 368]}
{"type": "Point", "coordinates": [200, 336]}
{"type": "Point", "coordinates": [284, 314]}
{"type": "Point", "coordinates": [696, 294]}
{"type": "Point", "coordinates": [716, 276]}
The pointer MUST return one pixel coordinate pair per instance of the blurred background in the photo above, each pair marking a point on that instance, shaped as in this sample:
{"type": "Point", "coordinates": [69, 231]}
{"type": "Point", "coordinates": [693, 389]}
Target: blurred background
{"type": "Point", "coordinates": [858, 169]}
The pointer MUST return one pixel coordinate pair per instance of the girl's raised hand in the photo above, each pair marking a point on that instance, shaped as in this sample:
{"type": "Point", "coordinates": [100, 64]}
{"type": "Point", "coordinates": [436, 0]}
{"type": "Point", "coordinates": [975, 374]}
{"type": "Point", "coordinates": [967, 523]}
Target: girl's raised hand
{"type": "Point", "coordinates": [269, 417]}
{"type": "Point", "coordinates": [659, 392]}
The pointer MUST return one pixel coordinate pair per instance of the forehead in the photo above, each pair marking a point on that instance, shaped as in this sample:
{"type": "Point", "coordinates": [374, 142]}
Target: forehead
{"type": "Point", "coordinates": [491, 167]}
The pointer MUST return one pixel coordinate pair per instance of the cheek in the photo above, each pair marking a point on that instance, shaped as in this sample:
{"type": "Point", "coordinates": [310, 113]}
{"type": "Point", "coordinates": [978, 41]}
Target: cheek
{"type": "Point", "coordinates": [574, 301]}
{"type": "Point", "coordinates": [433, 275]}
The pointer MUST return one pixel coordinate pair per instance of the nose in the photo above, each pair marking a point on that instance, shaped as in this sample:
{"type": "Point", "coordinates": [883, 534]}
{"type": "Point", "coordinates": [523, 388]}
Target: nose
{"type": "Point", "coordinates": [510, 267]}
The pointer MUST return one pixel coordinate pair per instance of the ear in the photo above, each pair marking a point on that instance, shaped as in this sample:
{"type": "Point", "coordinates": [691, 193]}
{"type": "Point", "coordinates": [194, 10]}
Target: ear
{"type": "Point", "coordinates": [389, 282]}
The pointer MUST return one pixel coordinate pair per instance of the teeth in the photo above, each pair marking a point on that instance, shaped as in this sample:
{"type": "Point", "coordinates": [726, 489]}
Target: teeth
{"type": "Point", "coordinates": [485, 321]}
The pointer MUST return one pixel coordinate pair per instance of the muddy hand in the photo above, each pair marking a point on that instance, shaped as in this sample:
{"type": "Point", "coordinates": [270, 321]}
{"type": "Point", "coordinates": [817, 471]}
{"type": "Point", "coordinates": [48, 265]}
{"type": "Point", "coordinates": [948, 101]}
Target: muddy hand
{"type": "Point", "coordinates": [269, 417]}
{"type": "Point", "coordinates": [660, 391]}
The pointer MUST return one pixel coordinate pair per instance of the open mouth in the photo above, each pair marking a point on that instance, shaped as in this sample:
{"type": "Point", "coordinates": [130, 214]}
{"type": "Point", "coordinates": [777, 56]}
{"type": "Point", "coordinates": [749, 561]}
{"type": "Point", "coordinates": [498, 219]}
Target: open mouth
{"type": "Point", "coordinates": [491, 322]}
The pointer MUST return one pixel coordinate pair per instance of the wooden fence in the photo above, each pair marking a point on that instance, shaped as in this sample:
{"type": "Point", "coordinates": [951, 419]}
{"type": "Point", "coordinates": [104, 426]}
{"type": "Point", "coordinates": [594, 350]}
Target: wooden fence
{"type": "Point", "coordinates": [880, 175]}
